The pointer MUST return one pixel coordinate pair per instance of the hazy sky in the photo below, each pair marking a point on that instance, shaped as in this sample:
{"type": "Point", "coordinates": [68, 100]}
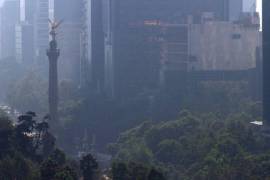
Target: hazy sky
{"type": "Point", "coordinates": [259, 4]}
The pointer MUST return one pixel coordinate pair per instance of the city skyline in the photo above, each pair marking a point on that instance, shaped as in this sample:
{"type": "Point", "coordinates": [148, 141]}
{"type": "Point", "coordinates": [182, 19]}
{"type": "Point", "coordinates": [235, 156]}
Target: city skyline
{"type": "Point", "coordinates": [259, 5]}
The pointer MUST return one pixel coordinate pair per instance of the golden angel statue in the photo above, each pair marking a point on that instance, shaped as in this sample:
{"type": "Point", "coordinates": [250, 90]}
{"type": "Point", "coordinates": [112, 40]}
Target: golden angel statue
{"type": "Point", "coordinates": [54, 25]}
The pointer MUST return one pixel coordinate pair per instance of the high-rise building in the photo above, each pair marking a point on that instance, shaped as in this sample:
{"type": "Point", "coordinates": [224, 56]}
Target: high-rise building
{"type": "Point", "coordinates": [25, 43]}
{"type": "Point", "coordinates": [32, 32]}
{"type": "Point", "coordinates": [70, 12]}
{"type": "Point", "coordinates": [228, 46]}
{"type": "Point", "coordinates": [25, 52]}
{"type": "Point", "coordinates": [92, 60]}
{"type": "Point", "coordinates": [235, 9]}
{"type": "Point", "coordinates": [41, 29]}
{"type": "Point", "coordinates": [28, 11]}
{"type": "Point", "coordinates": [9, 18]}
{"type": "Point", "coordinates": [249, 5]}
{"type": "Point", "coordinates": [266, 62]}
{"type": "Point", "coordinates": [128, 66]}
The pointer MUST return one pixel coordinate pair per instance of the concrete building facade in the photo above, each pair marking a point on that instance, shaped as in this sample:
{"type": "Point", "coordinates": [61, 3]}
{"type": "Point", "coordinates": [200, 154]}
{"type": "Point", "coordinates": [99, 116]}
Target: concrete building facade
{"type": "Point", "coordinates": [235, 9]}
{"type": "Point", "coordinates": [10, 16]}
{"type": "Point", "coordinates": [92, 60]}
{"type": "Point", "coordinates": [266, 62]}
{"type": "Point", "coordinates": [224, 46]}
{"type": "Point", "coordinates": [120, 17]}
{"type": "Point", "coordinates": [25, 43]}
{"type": "Point", "coordinates": [69, 38]}
{"type": "Point", "coordinates": [249, 6]}
{"type": "Point", "coordinates": [41, 29]}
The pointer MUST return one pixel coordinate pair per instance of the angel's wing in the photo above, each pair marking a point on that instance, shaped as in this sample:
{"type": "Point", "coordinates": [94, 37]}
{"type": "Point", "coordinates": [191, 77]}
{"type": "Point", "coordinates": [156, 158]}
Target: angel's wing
{"type": "Point", "coordinates": [59, 23]}
{"type": "Point", "coordinates": [51, 23]}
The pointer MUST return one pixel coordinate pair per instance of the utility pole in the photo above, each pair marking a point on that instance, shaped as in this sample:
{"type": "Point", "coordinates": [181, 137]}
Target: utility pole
{"type": "Point", "coordinates": [53, 53]}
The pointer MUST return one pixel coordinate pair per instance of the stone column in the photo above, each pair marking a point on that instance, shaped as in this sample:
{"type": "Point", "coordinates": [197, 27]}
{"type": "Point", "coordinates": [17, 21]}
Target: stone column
{"type": "Point", "coordinates": [53, 54]}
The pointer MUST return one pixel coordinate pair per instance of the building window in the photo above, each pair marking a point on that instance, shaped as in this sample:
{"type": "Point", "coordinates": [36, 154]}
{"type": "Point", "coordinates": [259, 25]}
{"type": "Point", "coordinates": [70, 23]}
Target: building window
{"type": "Point", "coordinates": [236, 36]}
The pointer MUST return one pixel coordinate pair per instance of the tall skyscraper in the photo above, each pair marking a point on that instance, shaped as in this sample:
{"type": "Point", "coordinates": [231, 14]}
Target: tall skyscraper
{"type": "Point", "coordinates": [70, 11]}
{"type": "Point", "coordinates": [28, 10]}
{"type": "Point", "coordinates": [92, 60]}
{"type": "Point", "coordinates": [25, 51]}
{"type": "Point", "coordinates": [41, 29]}
{"type": "Point", "coordinates": [266, 62]}
{"type": "Point", "coordinates": [235, 9]}
{"type": "Point", "coordinates": [128, 65]}
{"type": "Point", "coordinates": [10, 16]}
{"type": "Point", "coordinates": [32, 32]}
{"type": "Point", "coordinates": [25, 43]}
{"type": "Point", "coordinates": [249, 5]}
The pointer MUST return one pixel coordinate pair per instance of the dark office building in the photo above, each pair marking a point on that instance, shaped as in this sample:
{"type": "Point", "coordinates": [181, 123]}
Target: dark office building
{"type": "Point", "coordinates": [266, 62]}
{"type": "Point", "coordinates": [25, 43]}
{"type": "Point", "coordinates": [93, 45]}
{"type": "Point", "coordinates": [9, 19]}
{"type": "Point", "coordinates": [29, 11]}
{"type": "Point", "coordinates": [131, 57]}
{"type": "Point", "coordinates": [81, 40]}
{"type": "Point", "coordinates": [69, 37]}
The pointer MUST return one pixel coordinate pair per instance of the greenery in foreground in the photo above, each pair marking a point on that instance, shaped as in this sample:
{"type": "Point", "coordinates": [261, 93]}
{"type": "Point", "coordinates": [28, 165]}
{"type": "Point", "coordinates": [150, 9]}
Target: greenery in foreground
{"type": "Point", "coordinates": [203, 147]}
{"type": "Point", "coordinates": [28, 152]}
{"type": "Point", "coordinates": [193, 146]}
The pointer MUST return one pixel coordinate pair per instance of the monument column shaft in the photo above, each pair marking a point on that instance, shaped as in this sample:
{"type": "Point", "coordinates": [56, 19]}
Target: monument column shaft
{"type": "Point", "coordinates": [53, 86]}
{"type": "Point", "coordinates": [53, 54]}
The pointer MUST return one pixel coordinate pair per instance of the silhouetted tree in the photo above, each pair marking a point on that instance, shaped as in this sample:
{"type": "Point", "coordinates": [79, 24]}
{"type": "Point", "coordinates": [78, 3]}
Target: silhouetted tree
{"type": "Point", "coordinates": [6, 132]}
{"type": "Point", "coordinates": [41, 129]}
{"type": "Point", "coordinates": [57, 168]}
{"type": "Point", "coordinates": [89, 167]}
{"type": "Point", "coordinates": [120, 171]}
{"type": "Point", "coordinates": [24, 133]}
{"type": "Point", "coordinates": [48, 169]}
{"type": "Point", "coordinates": [66, 173]}
{"type": "Point", "coordinates": [155, 175]}
{"type": "Point", "coordinates": [59, 157]}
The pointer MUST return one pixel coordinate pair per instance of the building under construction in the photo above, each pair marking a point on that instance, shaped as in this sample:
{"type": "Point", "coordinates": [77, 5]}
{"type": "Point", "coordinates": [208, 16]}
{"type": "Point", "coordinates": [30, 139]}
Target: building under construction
{"type": "Point", "coordinates": [128, 61]}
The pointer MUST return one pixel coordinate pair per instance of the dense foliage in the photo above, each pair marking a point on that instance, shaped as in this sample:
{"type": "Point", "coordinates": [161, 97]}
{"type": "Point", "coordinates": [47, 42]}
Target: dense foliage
{"type": "Point", "coordinates": [199, 147]}
{"type": "Point", "coordinates": [131, 170]}
{"type": "Point", "coordinates": [28, 151]}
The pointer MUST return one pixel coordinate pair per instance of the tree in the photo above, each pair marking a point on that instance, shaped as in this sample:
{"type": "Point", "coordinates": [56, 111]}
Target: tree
{"type": "Point", "coordinates": [89, 167]}
{"type": "Point", "coordinates": [48, 169]}
{"type": "Point", "coordinates": [155, 175]}
{"type": "Point", "coordinates": [120, 171]}
{"type": "Point", "coordinates": [56, 167]}
{"type": "Point", "coordinates": [17, 167]}
{"type": "Point", "coordinates": [24, 133]}
{"type": "Point", "coordinates": [6, 133]}
{"type": "Point", "coordinates": [26, 123]}
{"type": "Point", "coordinates": [42, 130]}
{"type": "Point", "coordinates": [59, 157]}
{"type": "Point", "coordinates": [66, 173]}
